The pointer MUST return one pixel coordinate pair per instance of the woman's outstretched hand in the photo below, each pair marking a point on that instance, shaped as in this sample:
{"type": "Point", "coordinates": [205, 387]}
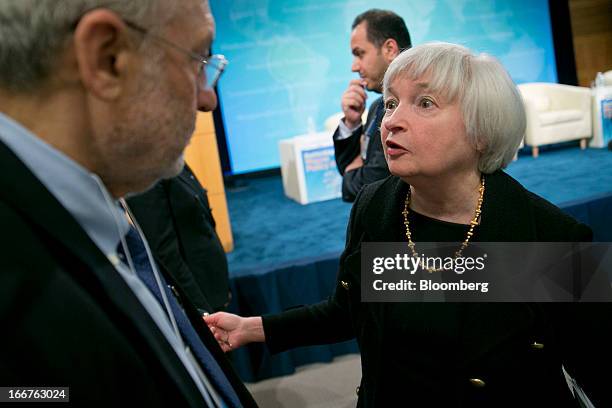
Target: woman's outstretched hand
{"type": "Point", "coordinates": [232, 331]}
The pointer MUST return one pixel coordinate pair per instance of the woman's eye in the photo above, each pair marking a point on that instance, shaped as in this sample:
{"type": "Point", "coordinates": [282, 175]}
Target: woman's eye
{"type": "Point", "coordinates": [426, 103]}
{"type": "Point", "coordinates": [390, 104]}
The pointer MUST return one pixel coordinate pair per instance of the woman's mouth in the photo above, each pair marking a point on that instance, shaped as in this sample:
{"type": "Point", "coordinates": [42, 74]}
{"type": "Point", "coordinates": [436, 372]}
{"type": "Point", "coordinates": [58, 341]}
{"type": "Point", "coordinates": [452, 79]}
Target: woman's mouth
{"type": "Point", "coordinates": [394, 149]}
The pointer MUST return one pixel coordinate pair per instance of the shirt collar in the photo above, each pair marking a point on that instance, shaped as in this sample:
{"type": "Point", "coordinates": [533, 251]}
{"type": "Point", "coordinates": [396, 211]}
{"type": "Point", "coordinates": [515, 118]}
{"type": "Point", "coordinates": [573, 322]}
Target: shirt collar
{"type": "Point", "coordinates": [81, 192]}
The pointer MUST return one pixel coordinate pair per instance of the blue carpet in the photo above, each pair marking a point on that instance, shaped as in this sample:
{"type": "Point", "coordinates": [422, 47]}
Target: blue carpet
{"type": "Point", "coordinates": [566, 175]}
{"type": "Point", "coordinates": [272, 231]}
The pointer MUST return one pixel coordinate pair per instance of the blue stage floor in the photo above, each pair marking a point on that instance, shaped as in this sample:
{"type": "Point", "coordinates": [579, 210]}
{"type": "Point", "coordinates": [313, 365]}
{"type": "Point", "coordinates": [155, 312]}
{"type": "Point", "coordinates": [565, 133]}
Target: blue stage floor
{"type": "Point", "coordinates": [270, 230]}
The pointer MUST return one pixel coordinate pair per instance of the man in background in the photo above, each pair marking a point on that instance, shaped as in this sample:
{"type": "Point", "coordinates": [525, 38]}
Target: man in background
{"type": "Point", "coordinates": [378, 36]}
{"type": "Point", "coordinates": [97, 101]}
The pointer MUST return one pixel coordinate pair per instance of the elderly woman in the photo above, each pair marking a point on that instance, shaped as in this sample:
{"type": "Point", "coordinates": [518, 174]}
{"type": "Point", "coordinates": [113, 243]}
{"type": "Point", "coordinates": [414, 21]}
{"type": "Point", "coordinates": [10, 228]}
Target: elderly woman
{"type": "Point", "coordinates": [453, 120]}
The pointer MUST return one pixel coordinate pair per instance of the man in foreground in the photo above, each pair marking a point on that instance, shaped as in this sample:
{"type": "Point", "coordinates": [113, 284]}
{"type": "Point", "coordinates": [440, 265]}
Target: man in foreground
{"type": "Point", "coordinates": [97, 101]}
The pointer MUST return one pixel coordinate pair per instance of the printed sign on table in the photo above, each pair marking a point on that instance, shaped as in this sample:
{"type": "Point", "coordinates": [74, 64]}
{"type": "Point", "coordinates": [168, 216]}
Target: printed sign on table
{"type": "Point", "coordinates": [323, 182]}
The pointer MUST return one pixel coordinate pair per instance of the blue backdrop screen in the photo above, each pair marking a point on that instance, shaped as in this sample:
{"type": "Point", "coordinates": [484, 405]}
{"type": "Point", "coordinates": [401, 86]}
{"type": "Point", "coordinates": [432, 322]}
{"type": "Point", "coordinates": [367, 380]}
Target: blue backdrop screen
{"type": "Point", "coordinates": [290, 59]}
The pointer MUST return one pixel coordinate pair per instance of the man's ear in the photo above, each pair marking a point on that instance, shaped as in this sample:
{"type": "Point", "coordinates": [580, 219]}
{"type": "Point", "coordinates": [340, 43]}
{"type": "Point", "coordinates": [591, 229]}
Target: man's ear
{"type": "Point", "coordinates": [390, 49]}
{"type": "Point", "coordinates": [102, 53]}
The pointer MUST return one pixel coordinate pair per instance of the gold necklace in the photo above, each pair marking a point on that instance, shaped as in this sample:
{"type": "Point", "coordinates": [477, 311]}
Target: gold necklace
{"type": "Point", "coordinates": [473, 224]}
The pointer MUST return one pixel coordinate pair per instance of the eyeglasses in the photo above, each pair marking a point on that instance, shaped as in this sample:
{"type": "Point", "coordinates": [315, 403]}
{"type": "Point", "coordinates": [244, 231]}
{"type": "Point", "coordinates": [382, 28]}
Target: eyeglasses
{"type": "Point", "coordinates": [209, 68]}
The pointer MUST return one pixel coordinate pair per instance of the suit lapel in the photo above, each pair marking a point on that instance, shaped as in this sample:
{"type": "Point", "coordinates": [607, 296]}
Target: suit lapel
{"type": "Point", "coordinates": [211, 344]}
{"type": "Point", "coordinates": [506, 211]}
{"type": "Point", "coordinates": [24, 192]}
{"type": "Point", "coordinates": [384, 217]}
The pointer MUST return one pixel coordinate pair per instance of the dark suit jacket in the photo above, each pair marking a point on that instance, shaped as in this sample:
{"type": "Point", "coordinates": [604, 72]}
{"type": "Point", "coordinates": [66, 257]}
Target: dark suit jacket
{"type": "Point", "coordinates": [374, 166]}
{"type": "Point", "coordinates": [177, 220]}
{"type": "Point", "coordinates": [69, 319]}
{"type": "Point", "coordinates": [425, 353]}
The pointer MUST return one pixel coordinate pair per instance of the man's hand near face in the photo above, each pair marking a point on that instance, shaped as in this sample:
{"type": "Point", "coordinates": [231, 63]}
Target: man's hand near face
{"type": "Point", "coordinates": [353, 103]}
{"type": "Point", "coordinates": [355, 164]}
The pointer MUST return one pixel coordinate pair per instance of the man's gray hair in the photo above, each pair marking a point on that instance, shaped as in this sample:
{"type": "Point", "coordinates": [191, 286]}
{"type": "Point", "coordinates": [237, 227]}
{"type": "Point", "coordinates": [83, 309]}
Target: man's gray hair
{"type": "Point", "coordinates": [34, 32]}
{"type": "Point", "coordinates": [491, 104]}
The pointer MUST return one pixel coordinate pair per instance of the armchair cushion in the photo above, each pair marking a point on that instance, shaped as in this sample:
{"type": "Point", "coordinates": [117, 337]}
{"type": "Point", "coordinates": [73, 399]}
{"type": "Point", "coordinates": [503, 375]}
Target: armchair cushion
{"type": "Point", "coordinates": [560, 116]}
{"type": "Point", "coordinates": [541, 102]}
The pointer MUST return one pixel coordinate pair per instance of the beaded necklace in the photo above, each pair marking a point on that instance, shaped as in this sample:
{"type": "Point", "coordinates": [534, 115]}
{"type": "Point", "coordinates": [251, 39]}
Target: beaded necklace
{"type": "Point", "coordinates": [470, 233]}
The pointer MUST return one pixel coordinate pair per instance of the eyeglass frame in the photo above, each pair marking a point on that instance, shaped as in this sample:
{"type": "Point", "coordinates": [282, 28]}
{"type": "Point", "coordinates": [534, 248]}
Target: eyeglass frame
{"type": "Point", "coordinates": [220, 62]}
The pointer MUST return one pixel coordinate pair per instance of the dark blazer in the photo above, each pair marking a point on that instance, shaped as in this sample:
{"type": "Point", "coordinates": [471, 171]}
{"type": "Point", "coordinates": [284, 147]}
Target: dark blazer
{"type": "Point", "coordinates": [374, 166]}
{"type": "Point", "coordinates": [426, 353]}
{"type": "Point", "coordinates": [69, 319]}
{"type": "Point", "coordinates": [177, 220]}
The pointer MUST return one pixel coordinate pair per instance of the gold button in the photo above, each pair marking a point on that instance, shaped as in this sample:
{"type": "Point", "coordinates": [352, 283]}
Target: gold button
{"type": "Point", "coordinates": [537, 346]}
{"type": "Point", "coordinates": [345, 284]}
{"type": "Point", "coordinates": [477, 382]}
{"type": "Point", "coordinates": [357, 390]}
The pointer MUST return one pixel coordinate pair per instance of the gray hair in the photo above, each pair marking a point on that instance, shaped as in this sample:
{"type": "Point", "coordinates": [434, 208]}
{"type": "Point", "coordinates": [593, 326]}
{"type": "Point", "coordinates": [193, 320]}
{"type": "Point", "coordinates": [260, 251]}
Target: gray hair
{"type": "Point", "coordinates": [34, 32]}
{"type": "Point", "coordinates": [491, 104]}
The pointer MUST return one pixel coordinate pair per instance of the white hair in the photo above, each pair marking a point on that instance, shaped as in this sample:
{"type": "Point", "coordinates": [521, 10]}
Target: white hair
{"type": "Point", "coordinates": [491, 104]}
{"type": "Point", "coordinates": [34, 32]}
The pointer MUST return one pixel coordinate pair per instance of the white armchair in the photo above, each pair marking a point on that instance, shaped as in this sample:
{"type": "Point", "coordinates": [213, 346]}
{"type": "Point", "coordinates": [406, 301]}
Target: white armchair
{"type": "Point", "coordinates": [607, 78]}
{"type": "Point", "coordinates": [556, 113]}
